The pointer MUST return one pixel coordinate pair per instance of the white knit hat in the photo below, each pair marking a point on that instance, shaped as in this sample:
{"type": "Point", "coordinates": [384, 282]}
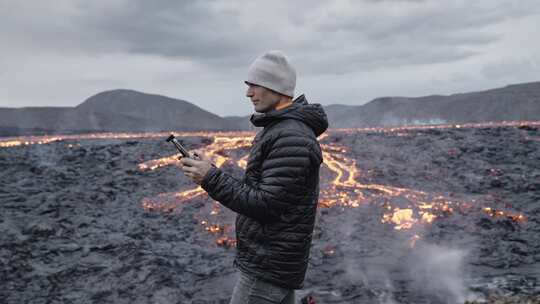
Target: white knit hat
{"type": "Point", "coordinates": [272, 70]}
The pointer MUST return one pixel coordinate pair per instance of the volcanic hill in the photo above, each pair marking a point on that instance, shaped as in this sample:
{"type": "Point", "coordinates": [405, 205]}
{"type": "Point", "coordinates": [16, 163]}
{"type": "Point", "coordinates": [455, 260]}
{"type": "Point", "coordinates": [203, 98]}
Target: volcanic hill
{"type": "Point", "coordinates": [132, 111]}
{"type": "Point", "coordinates": [510, 103]}
{"type": "Point", "coordinates": [117, 111]}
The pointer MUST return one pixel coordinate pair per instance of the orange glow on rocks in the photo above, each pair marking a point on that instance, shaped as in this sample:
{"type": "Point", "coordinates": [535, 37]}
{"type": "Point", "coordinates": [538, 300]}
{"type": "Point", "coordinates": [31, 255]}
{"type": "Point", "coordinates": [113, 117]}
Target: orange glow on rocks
{"type": "Point", "coordinates": [342, 185]}
{"type": "Point", "coordinates": [342, 188]}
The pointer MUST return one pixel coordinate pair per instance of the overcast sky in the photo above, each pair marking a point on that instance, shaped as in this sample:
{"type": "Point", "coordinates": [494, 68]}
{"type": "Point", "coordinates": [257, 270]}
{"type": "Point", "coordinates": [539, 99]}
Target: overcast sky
{"type": "Point", "coordinates": [58, 53]}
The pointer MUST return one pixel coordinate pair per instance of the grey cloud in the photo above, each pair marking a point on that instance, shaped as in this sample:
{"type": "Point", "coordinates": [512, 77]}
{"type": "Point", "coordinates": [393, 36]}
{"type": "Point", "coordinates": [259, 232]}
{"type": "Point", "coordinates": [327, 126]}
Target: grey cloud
{"type": "Point", "coordinates": [508, 68]}
{"type": "Point", "coordinates": [212, 33]}
{"type": "Point", "coordinates": [385, 58]}
{"type": "Point", "coordinates": [376, 1]}
{"type": "Point", "coordinates": [41, 27]}
{"type": "Point", "coordinates": [385, 19]}
{"type": "Point", "coordinates": [209, 32]}
{"type": "Point", "coordinates": [163, 44]}
{"type": "Point", "coordinates": [183, 29]}
{"type": "Point", "coordinates": [172, 28]}
{"type": "Point", "coordinates": [425, 32]}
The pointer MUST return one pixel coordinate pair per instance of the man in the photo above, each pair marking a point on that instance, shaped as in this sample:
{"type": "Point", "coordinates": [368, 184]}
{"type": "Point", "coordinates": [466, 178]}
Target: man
{"type": "Point", "coordinates": [277, 198]}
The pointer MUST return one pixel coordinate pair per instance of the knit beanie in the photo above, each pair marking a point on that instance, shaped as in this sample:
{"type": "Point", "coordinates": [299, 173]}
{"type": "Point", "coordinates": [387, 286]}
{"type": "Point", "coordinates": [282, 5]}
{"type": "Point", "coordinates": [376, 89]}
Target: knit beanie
{"type": "Point", "coordinates": [273, 71]}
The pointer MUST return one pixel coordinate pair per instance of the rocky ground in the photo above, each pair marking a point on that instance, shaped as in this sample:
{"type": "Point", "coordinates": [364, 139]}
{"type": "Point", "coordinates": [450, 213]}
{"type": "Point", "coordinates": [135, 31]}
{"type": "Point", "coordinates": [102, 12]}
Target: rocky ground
{"type": "Point", "coordinates": [74, 229]}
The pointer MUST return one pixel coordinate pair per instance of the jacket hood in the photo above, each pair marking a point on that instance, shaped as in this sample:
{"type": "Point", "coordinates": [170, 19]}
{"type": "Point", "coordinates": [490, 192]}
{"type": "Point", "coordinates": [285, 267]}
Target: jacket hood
{"type": "Point", "coordinates": [312, 115]}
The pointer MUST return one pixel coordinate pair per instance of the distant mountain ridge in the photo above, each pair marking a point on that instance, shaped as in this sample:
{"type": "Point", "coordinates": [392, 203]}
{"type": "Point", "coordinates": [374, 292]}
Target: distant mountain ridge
{"type": "Point", "coordinates": [131, 111]}
{"type": "Point", "coordinates": [513, 102]}
{"type": "Point", "coordinates": [117, 111]}
{"type": "Point", "coordinates": [156, 111]}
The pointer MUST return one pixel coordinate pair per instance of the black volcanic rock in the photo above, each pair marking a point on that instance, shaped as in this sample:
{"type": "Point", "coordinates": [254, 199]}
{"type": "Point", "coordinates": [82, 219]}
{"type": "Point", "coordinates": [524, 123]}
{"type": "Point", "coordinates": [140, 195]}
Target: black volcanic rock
{"type": "Point", "coordinates": [74, 229]}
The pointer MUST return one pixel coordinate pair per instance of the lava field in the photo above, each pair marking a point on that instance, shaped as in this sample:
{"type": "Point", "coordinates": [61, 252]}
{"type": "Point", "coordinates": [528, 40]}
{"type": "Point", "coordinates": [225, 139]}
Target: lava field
{"type": "Point", "coordinates": [440, 214]}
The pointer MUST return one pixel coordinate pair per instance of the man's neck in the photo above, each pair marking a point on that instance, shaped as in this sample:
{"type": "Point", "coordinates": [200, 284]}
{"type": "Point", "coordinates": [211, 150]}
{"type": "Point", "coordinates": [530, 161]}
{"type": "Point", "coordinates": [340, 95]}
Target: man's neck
{"type": "Point", "coordinates": [283, 103]}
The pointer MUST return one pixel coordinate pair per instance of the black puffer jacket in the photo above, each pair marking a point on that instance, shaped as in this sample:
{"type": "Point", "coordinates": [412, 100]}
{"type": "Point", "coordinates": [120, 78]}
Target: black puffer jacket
{"type": "Point", "coordinates": [276, 200]}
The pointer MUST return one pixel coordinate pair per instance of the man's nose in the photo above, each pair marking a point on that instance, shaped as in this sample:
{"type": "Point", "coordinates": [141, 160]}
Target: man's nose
{"type": "Point", "coordinates": [249, 92]}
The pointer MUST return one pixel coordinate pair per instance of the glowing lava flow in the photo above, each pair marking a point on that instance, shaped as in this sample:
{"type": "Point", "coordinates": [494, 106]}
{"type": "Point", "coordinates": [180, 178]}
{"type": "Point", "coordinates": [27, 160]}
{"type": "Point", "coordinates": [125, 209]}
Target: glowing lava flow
{"type": "Point", "coordinates": [399, 129]}
{"type": "Point", "coordinates": [344, 190]}
{"type": "Point", "coordinates": [217, 151]}
{"type": "Point", "coordinates": [403, 208]}
{"type": "Point", "coordinates": [414, 206]}
{"type": "Point", "coordinates": [8, 142]}
{"type": "Point", "coordinates": [25, 141]}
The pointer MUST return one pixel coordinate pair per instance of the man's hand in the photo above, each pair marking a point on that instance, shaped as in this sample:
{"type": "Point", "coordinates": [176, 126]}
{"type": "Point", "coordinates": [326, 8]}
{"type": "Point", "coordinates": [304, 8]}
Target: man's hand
{"type": "Point", "coordinates": [196, 169]}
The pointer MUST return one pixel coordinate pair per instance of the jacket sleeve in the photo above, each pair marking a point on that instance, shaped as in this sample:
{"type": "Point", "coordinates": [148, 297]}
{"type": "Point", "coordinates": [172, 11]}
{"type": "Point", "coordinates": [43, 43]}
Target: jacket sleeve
{"type": "Point", "coordinates": [283, 180]}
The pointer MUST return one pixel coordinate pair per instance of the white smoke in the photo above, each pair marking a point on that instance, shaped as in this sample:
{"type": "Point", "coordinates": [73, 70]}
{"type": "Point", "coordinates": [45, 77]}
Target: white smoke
{"type": "Point", "coordinates": [389, 119]}
{"type": "Point", "coordinates": [426, 270]}
{"type": "Point", "coordinates": [431, 121]}
{"type": "Point", "coordinates": [44, 155]}
{"type": "Point", "coordinates": [439, 270]}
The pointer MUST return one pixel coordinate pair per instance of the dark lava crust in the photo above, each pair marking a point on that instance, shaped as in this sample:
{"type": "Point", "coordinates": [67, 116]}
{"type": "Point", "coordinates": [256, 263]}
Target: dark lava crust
{"type": "Point", "coordinates": [73, 229]}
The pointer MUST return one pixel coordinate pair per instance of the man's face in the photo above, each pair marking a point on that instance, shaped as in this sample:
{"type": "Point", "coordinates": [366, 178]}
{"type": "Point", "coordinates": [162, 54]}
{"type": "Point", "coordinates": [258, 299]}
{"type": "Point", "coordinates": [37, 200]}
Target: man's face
{"type": "Point", "coordinates": [263, 99]}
